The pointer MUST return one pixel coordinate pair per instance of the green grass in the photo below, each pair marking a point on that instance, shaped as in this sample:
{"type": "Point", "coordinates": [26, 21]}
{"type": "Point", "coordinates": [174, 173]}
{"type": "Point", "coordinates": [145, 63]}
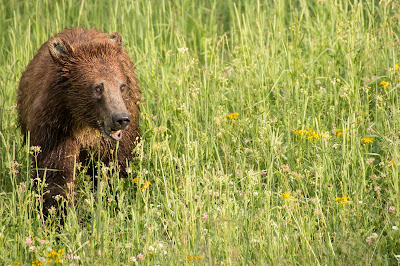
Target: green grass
{"type": "Point", "coordinates": [217, 183]}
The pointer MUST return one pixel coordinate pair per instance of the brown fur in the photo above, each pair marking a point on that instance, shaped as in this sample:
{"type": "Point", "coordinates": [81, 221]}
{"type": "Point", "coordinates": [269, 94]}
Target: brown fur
{"type": "Point", "coordinates": [65, 116]}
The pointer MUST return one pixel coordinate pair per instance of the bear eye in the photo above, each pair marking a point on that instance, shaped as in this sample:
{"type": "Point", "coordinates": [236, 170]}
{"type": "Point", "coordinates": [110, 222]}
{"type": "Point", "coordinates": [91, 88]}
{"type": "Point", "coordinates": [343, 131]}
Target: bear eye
{"type": "Point", "coordinates": [123, 87]}
{"type": "Point", "coordinates": [98, 89]}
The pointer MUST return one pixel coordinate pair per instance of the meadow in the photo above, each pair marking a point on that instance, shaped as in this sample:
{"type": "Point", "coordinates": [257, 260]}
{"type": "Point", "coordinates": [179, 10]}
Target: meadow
{"type": "Point", "coordinates": [270, 136]}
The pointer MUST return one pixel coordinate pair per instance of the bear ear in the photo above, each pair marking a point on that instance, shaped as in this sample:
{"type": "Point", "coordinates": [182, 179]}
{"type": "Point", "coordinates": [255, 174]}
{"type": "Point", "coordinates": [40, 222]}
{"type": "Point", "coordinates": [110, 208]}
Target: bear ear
{"type": "Point", "coordinates": [116, 38]}
{"type": "Point", "coordinates": [59, 50]}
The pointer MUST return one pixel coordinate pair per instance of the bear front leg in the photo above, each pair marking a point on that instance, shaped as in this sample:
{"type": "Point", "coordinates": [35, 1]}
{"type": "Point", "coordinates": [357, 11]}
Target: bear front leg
{"type": "Point", "coordinates": [57, 167]}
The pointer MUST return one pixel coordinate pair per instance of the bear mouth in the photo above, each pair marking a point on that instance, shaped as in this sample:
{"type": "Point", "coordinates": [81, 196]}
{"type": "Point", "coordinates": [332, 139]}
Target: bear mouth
{"type": "Point", "coordinates": [114, 134]}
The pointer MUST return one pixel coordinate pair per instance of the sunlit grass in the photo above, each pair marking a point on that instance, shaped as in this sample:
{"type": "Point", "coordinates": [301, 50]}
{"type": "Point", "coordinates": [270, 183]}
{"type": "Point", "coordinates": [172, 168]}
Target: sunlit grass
{"type": "Point", "coordinates": [270, 136]}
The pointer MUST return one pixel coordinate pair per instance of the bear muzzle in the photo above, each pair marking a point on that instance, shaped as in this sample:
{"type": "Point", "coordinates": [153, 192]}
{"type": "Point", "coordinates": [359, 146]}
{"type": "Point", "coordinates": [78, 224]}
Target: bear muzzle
{"type": "Point", "coordinates": [119, 122]}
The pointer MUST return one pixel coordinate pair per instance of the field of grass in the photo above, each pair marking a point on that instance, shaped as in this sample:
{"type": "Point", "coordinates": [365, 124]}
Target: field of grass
{"type": "Point", "coordinates": [271, 134]}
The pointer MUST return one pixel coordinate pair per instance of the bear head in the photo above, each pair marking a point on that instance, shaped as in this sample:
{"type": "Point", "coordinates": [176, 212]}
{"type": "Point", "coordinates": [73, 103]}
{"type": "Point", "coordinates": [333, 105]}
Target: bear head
{"type": "Point", "coordinates": [95, 82]}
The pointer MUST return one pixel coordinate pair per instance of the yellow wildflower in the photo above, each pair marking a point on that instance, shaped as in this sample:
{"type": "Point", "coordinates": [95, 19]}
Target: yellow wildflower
{"type": "Point", "coordinates": [233, 116]}
{"type": "Point", "coordinates": [300, 132]}
{"type": "Point", "coordinates": [146, 184]}
{"type": "Point", "coordinates": [391, 163]}
{"type": "Point", "coordinates": [311, 131]}
{"type": "Point", "coordinates": [367, 140]}
{"type": "Point", "coordinates": [314, 135]}
{"type": "Point", "coordinates": [396, 66]}
{"type": "Point", "coordinates": [136, 180]}
{"type": "Point", "coordinates": [58, 261]}
{"type": "Point", "coordinates": [286, 196]}
{"type": "Point", "coordinates": [15, 263]}
{"type": "Point", "coordinates": [338, 132]}
{"type": "Point", "coordinates": [52, 254]}
{"type": "Point", "coordinates": [195, 258]}
{"type": "Point", "coordinates": [384, 83]}
{"type": "Point", "coordinates": [60, 251]}
{"type": "Point", "coordinates": [37, 263]}
{"type": "Point", "coordinates": [311, 134]}
{"type": "Point", "coordinates": [343, 200]}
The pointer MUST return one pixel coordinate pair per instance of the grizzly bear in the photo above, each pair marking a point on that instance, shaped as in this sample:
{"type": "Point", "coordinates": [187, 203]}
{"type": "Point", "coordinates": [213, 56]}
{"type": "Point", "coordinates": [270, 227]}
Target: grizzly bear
{"type": "Point", "coordinates": [78, 96]}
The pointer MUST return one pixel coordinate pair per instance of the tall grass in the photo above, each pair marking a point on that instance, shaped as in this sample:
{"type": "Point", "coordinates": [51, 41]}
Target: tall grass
{"type": "Point", "coordinates": [257, 124]}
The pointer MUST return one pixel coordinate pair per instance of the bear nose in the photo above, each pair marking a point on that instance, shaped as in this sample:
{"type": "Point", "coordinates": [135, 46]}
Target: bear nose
{"type": "Point", "coordinates": [121, 120]}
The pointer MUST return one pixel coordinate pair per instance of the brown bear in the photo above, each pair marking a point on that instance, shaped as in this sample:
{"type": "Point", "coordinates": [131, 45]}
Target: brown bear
{"type": "Point", "coordinates": [78, 94]}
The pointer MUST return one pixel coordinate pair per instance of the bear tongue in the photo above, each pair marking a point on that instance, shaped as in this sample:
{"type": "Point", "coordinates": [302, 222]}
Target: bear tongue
{"type": "Point", "coordinates": [117, 135]}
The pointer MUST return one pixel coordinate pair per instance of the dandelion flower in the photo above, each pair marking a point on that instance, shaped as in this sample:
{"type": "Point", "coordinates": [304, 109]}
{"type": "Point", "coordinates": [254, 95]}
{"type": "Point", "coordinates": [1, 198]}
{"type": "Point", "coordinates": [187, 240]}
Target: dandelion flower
{"type": "Point", "coordinates": [195, 257]}
{"type": "Point", "coordinates": [343, 200]}
{"type": "Point", "coordinates": [286, 196]}
{"type": "Point", "coordinates": [303, 132]}
{"type": "Point", "coordinates": [313, 136]}
{"type": "Point", "coordinates": [52, 254]}
{"type": "Point", "coordinates": [338, 132]}
{"type": "Point", "coordinates": [396, 67]}
{"type": "Point", "coordinates": [37, 263]}
{"type": "Point", "coordinates": [367, 140]}
{"type": "Point", "coordinates": [146, 184]}
{"type": "Point", "coordinates": [384, 83]}
{"type": "Point", "coordinates": [233, 116]}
